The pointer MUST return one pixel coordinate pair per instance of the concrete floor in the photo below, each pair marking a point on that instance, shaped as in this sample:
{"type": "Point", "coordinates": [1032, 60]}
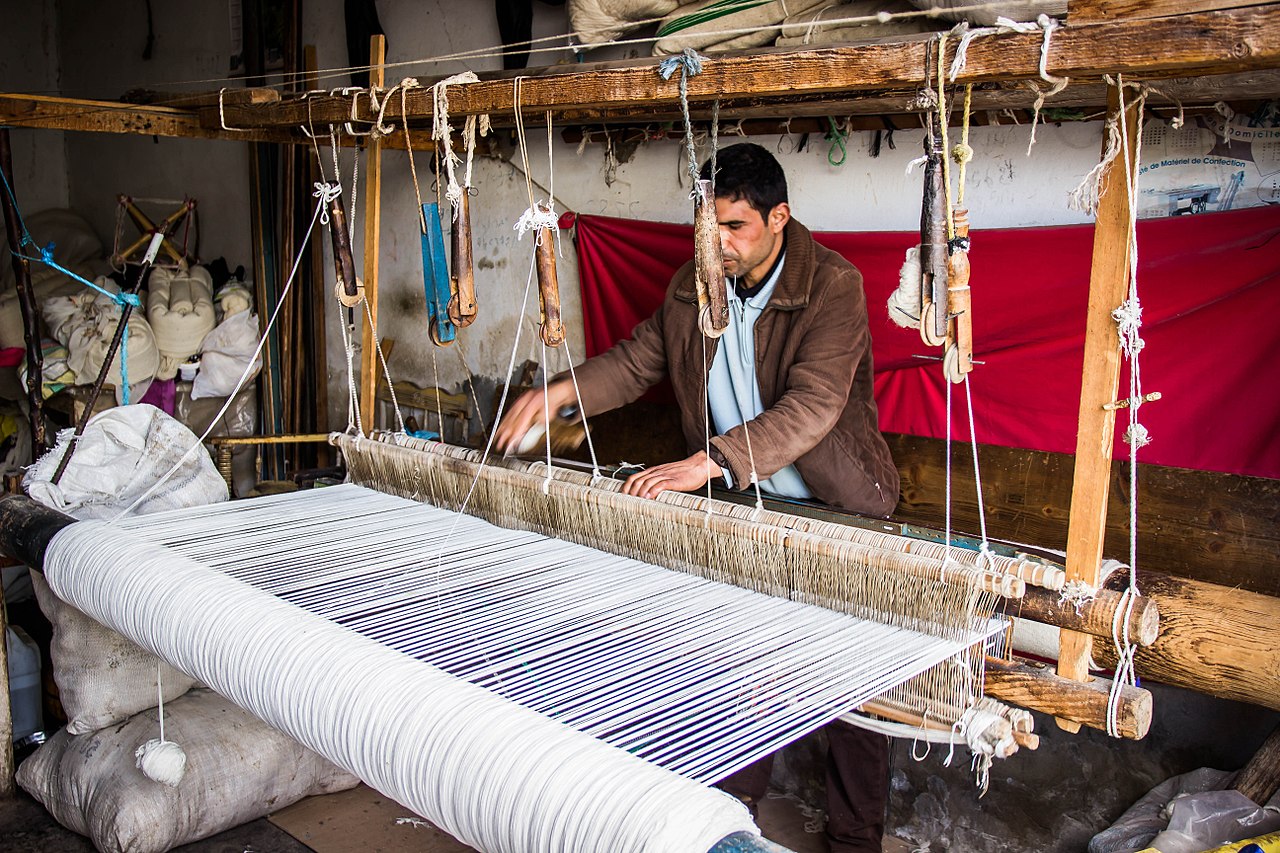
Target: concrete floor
{"type": "Point", "coordinates": [26, 827]}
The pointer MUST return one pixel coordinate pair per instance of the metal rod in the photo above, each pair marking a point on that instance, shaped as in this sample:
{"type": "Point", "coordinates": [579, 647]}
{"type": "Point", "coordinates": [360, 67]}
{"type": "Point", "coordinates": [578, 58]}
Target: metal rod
{"type": "Point", "coordinates": [126, 311]}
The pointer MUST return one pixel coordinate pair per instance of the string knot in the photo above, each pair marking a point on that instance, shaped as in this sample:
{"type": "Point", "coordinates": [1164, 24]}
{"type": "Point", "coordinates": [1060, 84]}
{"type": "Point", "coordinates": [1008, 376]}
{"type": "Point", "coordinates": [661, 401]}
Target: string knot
{"type": "Point", "coordinates": [326, 193]}
{"type": "Point", "coordinates": [46, 253]}
{"type": "Point", "coordinates": [962, 152]}
{"type": "Point", "coordinates": [1128, 317]}
{"type": "Point", "coordinates": [689, 64]}
{"type": "Point", "coordinates": [1137, 435]}
{"type": "Point", "coordinates": [123, 299]}
{"type": "Point", "coordinates": [535, 219]}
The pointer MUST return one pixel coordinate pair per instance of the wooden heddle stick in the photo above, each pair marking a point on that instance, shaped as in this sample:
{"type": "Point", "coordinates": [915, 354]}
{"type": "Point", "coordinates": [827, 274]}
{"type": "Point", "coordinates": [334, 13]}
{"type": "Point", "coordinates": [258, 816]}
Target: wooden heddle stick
{"type": "Point", "coordinates": [958, 357]}
{"type": "Point", "coordinates": [349, 289]}
{"type": "Point", "coordinates": [933, 242]}
{"type": "Point", "coordinates": [462, 303]}
{"type": "Point", "coordinates": [708, 274]}
{"type": "Point", "coordinates": [548, 284]}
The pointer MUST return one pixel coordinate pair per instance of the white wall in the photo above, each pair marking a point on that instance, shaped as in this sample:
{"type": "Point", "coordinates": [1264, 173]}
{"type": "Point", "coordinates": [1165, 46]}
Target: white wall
{"type": "Point", "coordinates": [29, 63]}
{"type": "Point", "coordinates": [101, 46]}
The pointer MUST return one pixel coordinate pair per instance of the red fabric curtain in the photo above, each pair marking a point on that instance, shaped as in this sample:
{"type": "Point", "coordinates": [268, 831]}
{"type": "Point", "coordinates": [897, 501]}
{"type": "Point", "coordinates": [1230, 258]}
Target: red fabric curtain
{"type": "Point", "coordinates": [1210, 290]}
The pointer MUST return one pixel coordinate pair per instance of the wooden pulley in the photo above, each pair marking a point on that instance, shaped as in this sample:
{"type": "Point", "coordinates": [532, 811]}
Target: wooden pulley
{"type": "Point", "coordinates": [462, 303]}
{"type": "Point", "coordinates": [548, 285]}
{"type": "Point", "coordinates": [350, 290]}
{"type": "Point", "coordinates": [933, 243]}
{"type": "Point", "coordinates": [708, 260]}
{"type": "Point", "coordinates": [959, 303]}
{"type": "Point", "coordinates": [349, 300]}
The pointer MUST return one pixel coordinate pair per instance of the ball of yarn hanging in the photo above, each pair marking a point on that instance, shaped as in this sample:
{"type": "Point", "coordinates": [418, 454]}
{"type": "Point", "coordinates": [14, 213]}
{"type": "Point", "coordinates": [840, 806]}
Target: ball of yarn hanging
{"type": "Point", "coordinates": [162, 761]}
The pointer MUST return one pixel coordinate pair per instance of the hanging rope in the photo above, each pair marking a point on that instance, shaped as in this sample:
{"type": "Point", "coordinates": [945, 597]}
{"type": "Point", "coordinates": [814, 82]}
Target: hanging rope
{"type": "Point", "coordinates": [689, 64]}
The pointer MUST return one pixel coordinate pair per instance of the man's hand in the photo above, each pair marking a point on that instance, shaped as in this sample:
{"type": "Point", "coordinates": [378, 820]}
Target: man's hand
{"type": "Point", "coordinates": [528, 410]}
{"type": "Point", "coordinates": [683, 476]}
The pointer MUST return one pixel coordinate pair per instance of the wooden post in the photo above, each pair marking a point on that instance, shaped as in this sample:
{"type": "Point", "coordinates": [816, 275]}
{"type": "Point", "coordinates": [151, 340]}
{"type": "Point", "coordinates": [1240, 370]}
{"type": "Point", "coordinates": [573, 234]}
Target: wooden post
{"type": "Point", "coordinates": [7, 788]}
{"type": "Point", "coordinates": [26, 303]}
{"type": "Point", "coordinates": [369, 366]}
{"type": "Point", "coordinates": [1091, 484]}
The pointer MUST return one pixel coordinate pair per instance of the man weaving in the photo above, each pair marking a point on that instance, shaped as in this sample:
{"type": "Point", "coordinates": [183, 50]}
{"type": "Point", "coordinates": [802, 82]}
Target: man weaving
{"type": "Point", "coordinates": [786, 391]}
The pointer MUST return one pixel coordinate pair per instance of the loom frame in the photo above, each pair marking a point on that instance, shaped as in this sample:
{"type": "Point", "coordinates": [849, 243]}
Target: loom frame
{"type": "Point", "coordinates": [1238, 51]}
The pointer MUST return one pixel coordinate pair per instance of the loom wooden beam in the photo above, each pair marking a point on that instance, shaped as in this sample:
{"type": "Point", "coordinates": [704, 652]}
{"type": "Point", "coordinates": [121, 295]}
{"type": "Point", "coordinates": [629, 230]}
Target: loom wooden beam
{"type": "Point", "coordinates": [1091, 11]}
{"type": "Point", "coordinates": [53, 113]}
{"type": "Point", "coordinates": [1260, 778]}
{"type": "Point", "coordinates": [1213, 639]}
{"type": "Point", "coordinates": [1035, 686]}
{"type": "Point", "coordinates": [1211, 43]}
{"type": "Point", "coordinates": [1095, 437]}
{"type": "Point", "coordinates": [372, 235]}
{"type": "Point", "coordinates": [1092, 617]}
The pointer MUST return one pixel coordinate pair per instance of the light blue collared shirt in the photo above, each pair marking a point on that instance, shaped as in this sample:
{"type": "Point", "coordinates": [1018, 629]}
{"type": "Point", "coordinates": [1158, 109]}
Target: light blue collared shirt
{"type": "Point", "coordinates": [733, 392]}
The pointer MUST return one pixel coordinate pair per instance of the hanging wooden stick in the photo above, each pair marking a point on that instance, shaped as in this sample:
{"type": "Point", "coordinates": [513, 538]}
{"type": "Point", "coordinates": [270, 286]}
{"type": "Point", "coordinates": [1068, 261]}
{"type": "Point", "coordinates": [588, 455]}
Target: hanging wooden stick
{"type": "Point", "coordinates": [958, 359]}
{"type": "Point", "coordinates": [548, 284]}
{"type": "Point", "coordinates": [462, 304]}
{"type": "Point", "coordinates": [713, 302]}
{"type": "Point", "coordinates": [933, 242]}
{"type": "Point", "coordinates": [350, 291]}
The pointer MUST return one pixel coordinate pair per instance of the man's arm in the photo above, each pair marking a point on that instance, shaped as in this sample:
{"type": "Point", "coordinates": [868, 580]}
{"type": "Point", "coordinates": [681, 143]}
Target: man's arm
{"type": "Point", "coordinates": [817, 386]}
{"type": "Point", "coordinates": [612, 379]}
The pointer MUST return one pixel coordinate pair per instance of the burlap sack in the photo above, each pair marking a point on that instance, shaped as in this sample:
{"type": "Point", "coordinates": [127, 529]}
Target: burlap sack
{"type": "Point", "coordinates": [238, 769]}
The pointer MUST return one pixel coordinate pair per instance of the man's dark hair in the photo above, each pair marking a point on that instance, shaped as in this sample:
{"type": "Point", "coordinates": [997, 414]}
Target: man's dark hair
{"type": "Point", "coordinates": [748, 171]}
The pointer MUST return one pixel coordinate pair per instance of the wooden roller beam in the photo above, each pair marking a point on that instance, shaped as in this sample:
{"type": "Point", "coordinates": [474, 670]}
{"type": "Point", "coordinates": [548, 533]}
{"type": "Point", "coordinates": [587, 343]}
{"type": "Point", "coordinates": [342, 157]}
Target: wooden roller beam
{"type": "Point", "coordinates": [1212, 43]}
{"type": "Point", "coordinates": [1213, 639]}
{"type": "Point", "coordinates": [1035, 686]}
{"type": "Point", "coordinates": [1092, 617]}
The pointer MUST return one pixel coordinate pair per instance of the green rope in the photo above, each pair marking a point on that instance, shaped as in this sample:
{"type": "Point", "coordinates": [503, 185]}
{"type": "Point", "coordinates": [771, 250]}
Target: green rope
{"type": "Point", "coordinates": [719, 9]}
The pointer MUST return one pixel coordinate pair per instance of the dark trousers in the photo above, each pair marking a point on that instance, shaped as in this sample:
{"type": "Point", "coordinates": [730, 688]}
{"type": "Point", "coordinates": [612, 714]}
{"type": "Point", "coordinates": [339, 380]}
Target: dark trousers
{"type": "Point", "coordinates": [857, 787]}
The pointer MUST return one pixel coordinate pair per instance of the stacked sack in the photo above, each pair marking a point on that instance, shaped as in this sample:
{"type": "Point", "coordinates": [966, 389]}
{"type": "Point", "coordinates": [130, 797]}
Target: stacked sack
{"type": "Point", "coordinates": [237, 768]}
{"type": "Point", "coordinates": [711, 26]}
{"type": "Point", "coordinates": [180, 310]}
{"type": "Point", "coordinates": [85, 323]}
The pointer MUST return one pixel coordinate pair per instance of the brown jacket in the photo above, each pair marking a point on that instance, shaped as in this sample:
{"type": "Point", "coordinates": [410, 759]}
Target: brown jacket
{"type": "Point", "coordinates": [813, 364]}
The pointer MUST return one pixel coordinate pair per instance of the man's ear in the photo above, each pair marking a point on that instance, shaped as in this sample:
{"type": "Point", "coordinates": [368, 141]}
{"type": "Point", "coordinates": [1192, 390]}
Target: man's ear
{"type": "Point", "coordinates": [779, 217]}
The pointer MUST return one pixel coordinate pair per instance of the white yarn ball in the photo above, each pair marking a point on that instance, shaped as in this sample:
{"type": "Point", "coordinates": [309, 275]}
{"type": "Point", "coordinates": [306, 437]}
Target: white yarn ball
{"type": "Point", "coordinates": [904, 304]}
{"type": "Point", "coordinates": [162, 761]}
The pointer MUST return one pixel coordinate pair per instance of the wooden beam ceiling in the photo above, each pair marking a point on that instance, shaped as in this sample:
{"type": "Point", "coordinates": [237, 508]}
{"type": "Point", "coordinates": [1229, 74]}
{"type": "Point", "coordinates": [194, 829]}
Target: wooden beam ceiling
{"type": "Point", "coordinates": [1209, 43]}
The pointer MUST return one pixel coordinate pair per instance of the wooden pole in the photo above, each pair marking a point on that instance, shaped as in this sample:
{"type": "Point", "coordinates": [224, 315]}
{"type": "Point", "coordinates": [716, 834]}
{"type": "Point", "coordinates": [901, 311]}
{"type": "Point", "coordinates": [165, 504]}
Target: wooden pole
{"type": "Point", "coordinates": [372, 226]}
{"type": "Point", "coordinates": [1213, 639]}
{"type": "Point", "coordinates": [1036, 687]}
{"type": "Point", "coordinates": [26, 303]}
{"type": "Point", "coordinates": [320, 295]}
{"type": "Point", "coordinates": [7, 787]}
{"type": "Point", "coordinates": [1260, 778]}
{"type": "Point", "coordinates": [1091, 484]}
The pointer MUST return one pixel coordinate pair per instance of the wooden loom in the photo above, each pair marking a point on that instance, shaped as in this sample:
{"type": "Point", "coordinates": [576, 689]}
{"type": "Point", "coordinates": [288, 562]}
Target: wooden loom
{"type": "Point", "coordinates": [1229, 42]}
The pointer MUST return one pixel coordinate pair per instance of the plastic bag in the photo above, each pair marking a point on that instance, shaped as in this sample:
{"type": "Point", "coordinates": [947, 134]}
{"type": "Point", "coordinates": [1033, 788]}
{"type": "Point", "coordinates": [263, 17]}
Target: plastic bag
{"type": "Point", "coordinates": [225, 354]}
{"type": "Point", "coordinates": [121, 455]}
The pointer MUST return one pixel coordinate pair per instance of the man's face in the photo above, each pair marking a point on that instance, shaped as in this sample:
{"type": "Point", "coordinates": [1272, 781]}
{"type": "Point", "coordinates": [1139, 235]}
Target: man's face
{"type": "Point", "coordinates": [750, 242]}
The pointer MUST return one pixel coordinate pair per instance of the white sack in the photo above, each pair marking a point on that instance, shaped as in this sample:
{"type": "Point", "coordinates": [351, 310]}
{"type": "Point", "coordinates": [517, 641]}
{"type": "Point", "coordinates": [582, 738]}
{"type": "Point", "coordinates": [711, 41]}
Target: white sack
{"type": "Point", "coordinates": [602, 21]}
{"type": "Point", "coordinates": [238, 769]}
{"type": "Point", "coordinates": [180, 310]}
{"type": "Point", "coordinates": [711, 35]}
{"type": "Point", "coordinates": [85, 323]}
{"type": "Point", "coordinates": [830, 24]}
{"type": "Point", "coordinates": [74, 243]}
{"type": "Point", "coordinates": [224, 354]}
{"type": "Point", "coordinates": [102, 678]}
{"type": "Point", "coordinates": [123, 452]}
{"type": "Point", "coordinates": [984, 13]}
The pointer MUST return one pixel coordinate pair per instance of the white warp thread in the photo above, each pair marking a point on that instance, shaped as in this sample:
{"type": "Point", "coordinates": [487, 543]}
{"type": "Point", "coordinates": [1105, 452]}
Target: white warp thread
{"type": "Point", "coordinates": [444, 748]}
